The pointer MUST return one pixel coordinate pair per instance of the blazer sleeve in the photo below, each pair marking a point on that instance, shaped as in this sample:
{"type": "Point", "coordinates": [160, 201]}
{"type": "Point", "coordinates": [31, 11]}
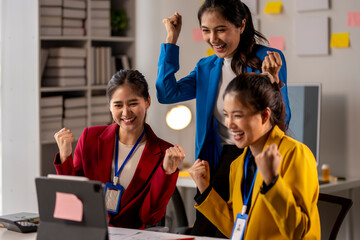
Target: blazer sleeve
{"type": "Point", "coordinates": [293, 198]}
{"type": "Point", "coordinates": [217, 210]}
{"type": "Point", "coordinates": [169, 90]}
{"type": "Point", "coordinates": [72, 166]}
{"type": "Point", "coordinates": [155, 202]}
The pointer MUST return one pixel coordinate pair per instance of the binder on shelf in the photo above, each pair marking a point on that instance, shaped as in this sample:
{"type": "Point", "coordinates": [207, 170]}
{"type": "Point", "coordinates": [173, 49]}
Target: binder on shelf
{"type": "Point", "coordinates": [67, 52]}
{"type": "Point", "coordinates": [75, 102]}
{"type": "Point", "coordinates": [74, 13]}
{"type": "Point", "coordinates": [101, 32]}
{"type": "Point", "coordinates": [73, 31]}
{"type": "Point", "coordinates": [100, 13]}
{"type": "Point", "coordinates": [101, 119]}
{"type": "Point", "coordinates": [122, 62]}
{"type": "Point", "coordinates": [74, 4]}
{"type": "Point", "coordinates": [100, 4]}
{"type": "Point", "coordinates": [99, 23]}
{"type": "Point", "coordinates": [75, 112]}
{"type": "Point", "coordinates": [65, 72]}
{"type": "Point", "coordinates": [69, 22]}
{"type": "Point", "coordinates": [103, 65]}
{"type": "Point", "coordinates": [51, 111]}
{"type": "Point", "coordinates": [51, 125]}
{"type": "Point", "coordinates": [74, 122]}
{"type": "Point", "coordinates": [77, 132]}
{"type": "Point", "coordinates": [108, 65]}
{"type": "Point", "coordinates": [53, 21]}
{"type": "Point", "coordinates": [50, 3]}
{"type": "Point", "coordinates": [98, 100]}
{"type": "Point", "coordinates": [63, 82]}
{"type": "Point", "coordinates": [43, 59]}
{"type": "Point", "coordinates": [100, 109]}
{"type": "Point", "coordinates": [66, 62]}
{"type": "Point", "coordinates": [50, 31]}
{"type": "Point", "coordinates": [51, 101]}
{"type": "Point", "coordinates": [48, 135]}
{"type": "Point", "coordinates": [51, 11]}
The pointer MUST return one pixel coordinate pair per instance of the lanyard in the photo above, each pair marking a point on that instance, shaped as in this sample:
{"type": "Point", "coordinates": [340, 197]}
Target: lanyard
{"type": "Point", "coordinates": [246, 196]}
{"type": "Point", "coordinates": [117, 172]}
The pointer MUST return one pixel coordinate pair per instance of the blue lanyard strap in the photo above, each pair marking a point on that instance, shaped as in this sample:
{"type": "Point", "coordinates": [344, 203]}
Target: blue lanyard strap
{"type": "Point", "coordinates": [117, 172]}
{"type": "Point", "coordinates": [246, 196]}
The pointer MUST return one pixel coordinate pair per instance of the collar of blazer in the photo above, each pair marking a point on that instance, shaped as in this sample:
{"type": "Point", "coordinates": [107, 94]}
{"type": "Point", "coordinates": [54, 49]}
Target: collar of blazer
{"type": "Point", "coordinates": [150, 159]}
{"type": "Point", "coordinates": [275, 137]}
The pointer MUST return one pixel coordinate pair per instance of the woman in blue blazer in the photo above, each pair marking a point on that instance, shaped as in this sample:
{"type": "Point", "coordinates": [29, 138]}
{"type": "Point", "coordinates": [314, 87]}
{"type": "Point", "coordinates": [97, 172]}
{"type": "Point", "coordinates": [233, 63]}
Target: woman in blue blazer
{"type": "Point", "coordinates": [227, 27]}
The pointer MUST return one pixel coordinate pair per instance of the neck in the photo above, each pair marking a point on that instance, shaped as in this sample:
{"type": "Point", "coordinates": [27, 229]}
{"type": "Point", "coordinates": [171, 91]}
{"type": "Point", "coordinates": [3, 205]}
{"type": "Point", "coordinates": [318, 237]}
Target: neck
{"type": "Point", "coordinates": [257, 147]}
{"type": "Point", "coordinates": [130, 137]}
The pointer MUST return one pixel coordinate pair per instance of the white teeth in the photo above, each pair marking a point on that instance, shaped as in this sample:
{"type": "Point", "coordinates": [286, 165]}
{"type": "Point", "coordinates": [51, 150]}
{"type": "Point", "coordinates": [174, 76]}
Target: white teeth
{"type": "Point", "coordinates": [128, 120]}
{"type": "Point", "coordinates": [218, 46]}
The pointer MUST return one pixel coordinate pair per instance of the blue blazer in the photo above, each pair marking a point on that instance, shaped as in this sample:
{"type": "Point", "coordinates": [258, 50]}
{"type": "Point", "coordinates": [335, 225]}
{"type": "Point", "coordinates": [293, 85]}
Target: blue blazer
{"type": "Point", "coordinates": [202, 83]}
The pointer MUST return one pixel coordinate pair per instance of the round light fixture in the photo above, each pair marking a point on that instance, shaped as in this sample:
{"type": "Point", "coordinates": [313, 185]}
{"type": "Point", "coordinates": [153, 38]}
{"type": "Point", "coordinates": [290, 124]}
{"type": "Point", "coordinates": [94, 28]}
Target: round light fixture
{"type": "Point", "coordinates": [178, 117]}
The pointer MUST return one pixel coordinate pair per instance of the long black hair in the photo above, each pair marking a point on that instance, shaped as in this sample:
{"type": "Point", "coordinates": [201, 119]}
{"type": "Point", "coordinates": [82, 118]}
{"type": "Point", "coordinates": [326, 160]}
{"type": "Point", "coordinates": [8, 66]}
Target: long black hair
{"type": "Point", "coordinates": [235, 12]}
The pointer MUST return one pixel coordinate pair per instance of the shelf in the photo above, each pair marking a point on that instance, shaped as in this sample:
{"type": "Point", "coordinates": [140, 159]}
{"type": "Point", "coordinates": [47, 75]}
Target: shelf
{"type": "Point", "coordinates": [97, 48]}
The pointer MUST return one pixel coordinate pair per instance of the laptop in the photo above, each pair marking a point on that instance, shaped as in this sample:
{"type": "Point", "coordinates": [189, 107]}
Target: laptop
{"type": "Point", "coordinates": [71, 208]}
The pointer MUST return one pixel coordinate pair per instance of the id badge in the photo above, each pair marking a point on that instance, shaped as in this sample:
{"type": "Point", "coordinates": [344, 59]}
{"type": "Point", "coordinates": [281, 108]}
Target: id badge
{"type": "Point", "coordinates": [239, 227]}
{"type": "Point", "coordinates": [113, 195]}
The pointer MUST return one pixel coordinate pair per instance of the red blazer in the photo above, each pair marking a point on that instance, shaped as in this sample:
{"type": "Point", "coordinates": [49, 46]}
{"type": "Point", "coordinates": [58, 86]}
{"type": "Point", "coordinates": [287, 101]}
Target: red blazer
{"type": "Point", "coordinates": [146, 198]}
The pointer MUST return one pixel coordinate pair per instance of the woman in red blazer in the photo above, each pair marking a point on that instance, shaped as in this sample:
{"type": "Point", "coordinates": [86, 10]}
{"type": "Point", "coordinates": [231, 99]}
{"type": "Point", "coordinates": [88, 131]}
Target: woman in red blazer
{"type": "Point", "coordinates": [125, 155]}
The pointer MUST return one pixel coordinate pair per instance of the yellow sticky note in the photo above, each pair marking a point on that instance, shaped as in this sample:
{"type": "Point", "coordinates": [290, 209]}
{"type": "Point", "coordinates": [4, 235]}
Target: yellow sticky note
{"type": "Point", "coordinates": [340, 40]}
{"type": "Point", "coordinates": [210, 52]}
{"type": "Point", "coordinates": [273, 7]}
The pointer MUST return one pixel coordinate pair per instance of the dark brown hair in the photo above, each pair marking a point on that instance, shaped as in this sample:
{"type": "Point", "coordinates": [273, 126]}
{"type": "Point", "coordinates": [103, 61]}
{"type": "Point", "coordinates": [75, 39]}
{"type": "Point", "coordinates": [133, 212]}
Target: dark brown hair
{"type": "Point", "coordinates": [235, 11]}
{"type": "Point", "coordinates": [135, 80]}
{"type": "Point", "coordinates": [256, 91]}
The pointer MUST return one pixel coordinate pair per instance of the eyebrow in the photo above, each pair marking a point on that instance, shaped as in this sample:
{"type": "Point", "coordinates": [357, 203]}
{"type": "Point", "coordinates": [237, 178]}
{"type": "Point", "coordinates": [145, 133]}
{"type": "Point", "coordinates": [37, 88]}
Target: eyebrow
{"type": "Point", "coordinates": [131, 100]}
{"type": "Point", "coordinates": [220, 26]}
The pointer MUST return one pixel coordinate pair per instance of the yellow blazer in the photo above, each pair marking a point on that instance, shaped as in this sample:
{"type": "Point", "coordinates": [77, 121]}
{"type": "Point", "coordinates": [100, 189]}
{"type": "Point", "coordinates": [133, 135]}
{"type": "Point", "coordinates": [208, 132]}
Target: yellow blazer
{"type": "Point", "coordinates": [287, 211]}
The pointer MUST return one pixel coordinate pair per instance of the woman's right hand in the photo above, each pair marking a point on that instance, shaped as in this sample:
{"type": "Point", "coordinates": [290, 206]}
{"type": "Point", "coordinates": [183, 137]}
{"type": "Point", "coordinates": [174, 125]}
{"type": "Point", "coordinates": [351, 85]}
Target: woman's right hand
{"type": "Point", "coordinates": [200, 173]}
{"type": "Point", "coordinates": [64, 139]}
{"type": "Point", "coordinates": [173, 27]}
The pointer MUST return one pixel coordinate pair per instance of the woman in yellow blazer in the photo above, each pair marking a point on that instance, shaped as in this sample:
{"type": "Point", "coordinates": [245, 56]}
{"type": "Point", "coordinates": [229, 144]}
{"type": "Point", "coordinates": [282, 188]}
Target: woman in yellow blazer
{"type": "Point", "coordinates": [275, 173]}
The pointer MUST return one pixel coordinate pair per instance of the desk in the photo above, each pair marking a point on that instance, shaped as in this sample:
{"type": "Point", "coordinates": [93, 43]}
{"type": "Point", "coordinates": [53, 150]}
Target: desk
{"type": "Point", "coordinates": [114, 234]}
{"type": "Point", "coordinates": [330, 187]}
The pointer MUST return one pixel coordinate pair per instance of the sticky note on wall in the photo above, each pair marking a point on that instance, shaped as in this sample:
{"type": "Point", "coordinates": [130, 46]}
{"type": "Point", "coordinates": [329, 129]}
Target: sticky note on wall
{"type": "Point", "coordinates": [273, 7]}
{"type": "Point", "coordinates": [277, 42]}
{"type": "Point", "coordinates": [353, 19]}
{"type": "Point", "coordinates": [68, 207]}
{"type": "Point", "coordinates": [340, 40]}
{"type": "Point", "coordinates": [197, 35]}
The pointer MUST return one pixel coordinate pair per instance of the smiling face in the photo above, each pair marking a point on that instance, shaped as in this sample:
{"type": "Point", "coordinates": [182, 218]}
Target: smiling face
{"type": "Point", "coordinates": [222, 36]}
{"type": "Point", "coordinates": [128, 109]}
{"type": "Point", "coordinates": [248, 128]}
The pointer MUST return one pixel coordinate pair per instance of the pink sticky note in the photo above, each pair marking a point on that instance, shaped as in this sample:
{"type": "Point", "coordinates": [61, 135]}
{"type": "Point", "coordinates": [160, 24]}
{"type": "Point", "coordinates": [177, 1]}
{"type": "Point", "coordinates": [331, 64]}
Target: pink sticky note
{"type": "Point", "coordinates": [68, 207]}
{"type": "Point", "coordinates": [353, 19]}
{"type": "Point", "coordinates": [197, 35]}
{"type": "Point", "coordinates": [277, 42]}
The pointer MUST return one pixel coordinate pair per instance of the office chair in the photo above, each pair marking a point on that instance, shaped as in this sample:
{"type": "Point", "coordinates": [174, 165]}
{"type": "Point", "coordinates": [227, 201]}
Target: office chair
{"type": "Point", "coordinates": [175, 218]}
{"type": "Point", "coordinates": [332, 211]}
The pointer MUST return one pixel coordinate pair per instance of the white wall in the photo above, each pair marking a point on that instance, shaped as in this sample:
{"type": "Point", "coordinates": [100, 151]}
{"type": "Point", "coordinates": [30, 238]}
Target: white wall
{"type": "Point", "coordinates": [338, 72]}
{"type": "Point", "coordinates": [19, 157]}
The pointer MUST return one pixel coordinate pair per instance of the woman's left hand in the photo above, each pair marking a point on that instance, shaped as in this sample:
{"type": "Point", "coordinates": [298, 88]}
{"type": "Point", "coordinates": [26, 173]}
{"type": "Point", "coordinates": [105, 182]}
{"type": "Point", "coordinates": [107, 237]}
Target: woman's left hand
{"type": "Point", "coordinates": [272, 64]}
{"type": "Point", "coordinates": [268, 162]}
{"type": "Point", "coordinates": [173, 157]}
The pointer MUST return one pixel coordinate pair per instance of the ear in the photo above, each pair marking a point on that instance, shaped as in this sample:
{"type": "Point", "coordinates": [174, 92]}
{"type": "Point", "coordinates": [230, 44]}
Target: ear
{"type": "Point", "coordinates": [265, 115]}
{"type": "Point", "coordinates": [148, 102]}
{"type": "Point", "coordinates": [243, 24]}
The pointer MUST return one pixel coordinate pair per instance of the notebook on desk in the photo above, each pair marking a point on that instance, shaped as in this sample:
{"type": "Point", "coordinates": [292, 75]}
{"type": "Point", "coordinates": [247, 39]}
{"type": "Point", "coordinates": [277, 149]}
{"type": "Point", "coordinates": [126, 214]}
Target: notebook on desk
{"type": "Point", "coordinates": [71, 209]}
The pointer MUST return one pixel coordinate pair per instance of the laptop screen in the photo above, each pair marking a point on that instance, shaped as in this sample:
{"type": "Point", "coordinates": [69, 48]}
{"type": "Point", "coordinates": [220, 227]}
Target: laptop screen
{"type": "Point", "coordinates": [71, 209]}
